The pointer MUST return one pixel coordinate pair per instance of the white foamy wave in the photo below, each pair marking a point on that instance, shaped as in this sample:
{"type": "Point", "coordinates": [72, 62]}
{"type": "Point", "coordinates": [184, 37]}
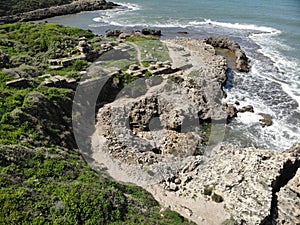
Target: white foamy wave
{"type": "Point", "coordinates": [129, 6]}
{"type": "Point", "coordinates": [125, 23]}
{"type": "Point", "coordinates": [108, 16]}
{"type": "Point", "coordinates": [278, 136]}
{"type": "Point", "coordinates": [288, 69]}
{"type": "Point", "coordinates": [239, 26]}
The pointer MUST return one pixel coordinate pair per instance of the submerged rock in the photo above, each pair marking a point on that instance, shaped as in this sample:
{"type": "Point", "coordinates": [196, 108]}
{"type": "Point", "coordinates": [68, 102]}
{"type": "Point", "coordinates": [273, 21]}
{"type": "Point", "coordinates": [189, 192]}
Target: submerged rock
{"type": "Point", "coordinates": [266, 119]}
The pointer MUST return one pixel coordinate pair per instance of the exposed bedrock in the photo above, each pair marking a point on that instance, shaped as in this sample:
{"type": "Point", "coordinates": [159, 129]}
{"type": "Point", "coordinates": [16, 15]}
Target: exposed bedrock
{"type": "Point", "coordinates": [256, 186]}
{"type": "Point", "coordinates": [157, 131]}
{"type": "Point", "coordinates": [242, 61]}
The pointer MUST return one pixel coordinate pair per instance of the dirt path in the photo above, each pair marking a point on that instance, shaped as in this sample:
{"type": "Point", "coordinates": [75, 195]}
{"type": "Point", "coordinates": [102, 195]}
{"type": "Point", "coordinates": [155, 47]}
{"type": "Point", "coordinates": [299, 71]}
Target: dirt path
{"type": "Point", "coordinates": [139, 53]}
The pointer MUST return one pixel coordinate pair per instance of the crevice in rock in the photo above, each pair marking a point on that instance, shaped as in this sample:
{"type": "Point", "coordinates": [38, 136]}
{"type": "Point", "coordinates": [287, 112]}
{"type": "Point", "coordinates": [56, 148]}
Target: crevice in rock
{"type": "Point", "coordinates": [288, 171]}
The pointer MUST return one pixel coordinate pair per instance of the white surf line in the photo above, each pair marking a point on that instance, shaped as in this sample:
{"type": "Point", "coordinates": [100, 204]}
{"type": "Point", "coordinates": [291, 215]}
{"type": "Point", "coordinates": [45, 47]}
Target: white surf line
{"type": "Point", "coordinates": [284, 85]}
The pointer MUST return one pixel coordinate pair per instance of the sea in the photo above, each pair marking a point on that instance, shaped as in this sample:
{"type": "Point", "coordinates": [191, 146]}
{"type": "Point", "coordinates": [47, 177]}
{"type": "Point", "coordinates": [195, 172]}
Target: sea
{"type": "Point", "coordinates": [268, 31]}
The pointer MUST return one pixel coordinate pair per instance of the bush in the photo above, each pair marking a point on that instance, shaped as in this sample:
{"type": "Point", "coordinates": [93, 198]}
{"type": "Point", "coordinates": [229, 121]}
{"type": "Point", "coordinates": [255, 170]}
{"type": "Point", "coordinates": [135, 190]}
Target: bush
{"type": "Point", "coordinates": [80, 65]}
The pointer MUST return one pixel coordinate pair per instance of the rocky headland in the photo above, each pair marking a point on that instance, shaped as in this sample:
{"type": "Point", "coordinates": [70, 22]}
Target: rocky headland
{"type": "Point", "coordinates": [160, 121]}
{"type": "Point", "coordinates": [164, 132]}
{"type": "Point", "coordinates": [74, 7]}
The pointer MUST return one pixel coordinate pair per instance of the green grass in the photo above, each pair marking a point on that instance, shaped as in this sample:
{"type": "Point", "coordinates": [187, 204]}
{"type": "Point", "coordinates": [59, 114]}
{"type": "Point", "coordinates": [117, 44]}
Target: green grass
{"type": "Point", "coordinates": [151, 47]}
{"type": "Point", "coordinates": [43, 177]}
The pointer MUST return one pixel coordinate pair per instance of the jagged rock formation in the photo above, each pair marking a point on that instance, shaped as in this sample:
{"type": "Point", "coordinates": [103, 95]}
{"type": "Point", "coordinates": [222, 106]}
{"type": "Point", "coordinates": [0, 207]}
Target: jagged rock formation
{"type": "Point", "coordinates": [247, 179]}
{"type": "Point", "coordinates": [242, 61]}
{"type": "Point", "coordinates": [288, 202]}
{"type": "Point", "coordinates": [168, 112]}
{"type": "Point", "coordinates": [74, 7]}
{"type": "Point", "coordinates": [123, 35]}
{"type": "Point", "coordinates": [21, 83]}
{"type": "Point", "coordinates": [155, 133]}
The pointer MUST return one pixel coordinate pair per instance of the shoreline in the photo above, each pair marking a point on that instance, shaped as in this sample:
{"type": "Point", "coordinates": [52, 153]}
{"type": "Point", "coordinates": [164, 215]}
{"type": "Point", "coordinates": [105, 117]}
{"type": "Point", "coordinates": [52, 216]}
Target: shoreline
{"type": "Point", "coordinates": [72, 8]}
{"type": "Point", "coordinates": [226, 184]}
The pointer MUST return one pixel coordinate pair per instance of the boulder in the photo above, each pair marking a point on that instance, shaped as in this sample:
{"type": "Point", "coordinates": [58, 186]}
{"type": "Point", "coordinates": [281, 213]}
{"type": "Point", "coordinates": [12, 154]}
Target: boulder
{"type": "Point", "coordinates": [113, 33]}
{"type": "Point", "coordinates": [124, 35]}
{"type": "Point", "coordinates": [248, 108]}
{"type": "Point", "coordinates": [153, 32]}
{"type": "Point", "coordinates": [231, 110]}
{"type": "Point", "coordinates": [182, 32]}
{"type": "Point", "coordinates": [266, 119]}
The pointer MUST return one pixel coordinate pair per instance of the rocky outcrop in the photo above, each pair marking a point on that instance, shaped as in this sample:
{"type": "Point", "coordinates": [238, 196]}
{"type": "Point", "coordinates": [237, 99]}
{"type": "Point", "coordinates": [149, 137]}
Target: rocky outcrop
{"type": "Point", "coordinates": [74, 7]}
{"type": "Point", "coordinates": [247, 180]}
{"type": "Point", "coordinates": [86, 52]}
{"type": "Point", "coordinates": [4, 59]}
{"type": "Point", "coordinates": [242, 61]}
{"type": "Point", "coordinates": [153, 32]}
{"type": "Point", "coordinates": [288, 204]}
{"type": "Point", "coordinates": [266, 119]}
{"type": "Point", "coordinates": [169, 133]}
{"type": "Point", "coordinates": [21, 83]}
{"type": "Point", "coordinates": [59, 82]}
{"type": "Point", "coordinates": [164, 118]}
{"type": "Point", "coordinates": [136, 33]}
{"type": "Point", "coordinates": [113, 33]}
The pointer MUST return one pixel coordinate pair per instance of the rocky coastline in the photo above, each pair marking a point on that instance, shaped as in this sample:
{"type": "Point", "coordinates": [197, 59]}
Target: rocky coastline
{"type": "Point", "coordinates": [161, 122]}
{"type": "Point", "coordinates": [72, 8]}
{"type": "Point", "coordinates": [147, 136]}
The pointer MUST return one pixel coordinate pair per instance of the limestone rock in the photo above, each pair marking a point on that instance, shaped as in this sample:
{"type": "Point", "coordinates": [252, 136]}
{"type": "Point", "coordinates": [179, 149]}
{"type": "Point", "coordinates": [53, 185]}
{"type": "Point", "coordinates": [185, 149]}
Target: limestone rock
{"type": "Point", "coordinates": [60, 82]}
{"type": "Point", "coordinates": [113, 33]}
{"type": "Point", "coordinates": [242, 61]}
{"type": "Point", "coordinates": [21, 83]}
{"type": "Point", "coordinates": [248, 108]}
{"type": "Point", "coordinates": [266, 119]}
{"type": "Point", "coordinates": [289, 202]}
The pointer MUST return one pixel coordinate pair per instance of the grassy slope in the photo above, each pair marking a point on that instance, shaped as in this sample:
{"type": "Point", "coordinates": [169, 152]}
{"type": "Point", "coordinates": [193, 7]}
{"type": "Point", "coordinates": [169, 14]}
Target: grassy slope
{"type": "Point", "coordinates": [43, 178]}
{"type": "Point", "coordinates": [10, 7]}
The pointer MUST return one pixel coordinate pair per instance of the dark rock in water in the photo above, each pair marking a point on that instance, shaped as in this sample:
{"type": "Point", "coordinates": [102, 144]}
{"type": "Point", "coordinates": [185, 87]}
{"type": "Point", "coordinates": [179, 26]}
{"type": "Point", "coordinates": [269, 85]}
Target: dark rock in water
{"type": "Point", "coordinates": [248, 108]}
{"type": "Point", "coordinates": [147, 31]}
{"type": "Point", "coordinates": [182, 32]}
{"type": "Point", "coordinates": [266, 120]}
{"type": "Point", "coordinates": [242, 61]}
{"type": "Point", "coordinates": [4, 59]}
{"type": "Point", "coordinates": [231, 110]}
{"type": "Point", "coordinates": [113, 33]}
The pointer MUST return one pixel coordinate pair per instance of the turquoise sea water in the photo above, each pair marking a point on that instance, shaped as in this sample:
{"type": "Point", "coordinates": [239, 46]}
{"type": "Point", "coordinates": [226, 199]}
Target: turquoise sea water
{"type": "Point", "coordinates": [269, 32]}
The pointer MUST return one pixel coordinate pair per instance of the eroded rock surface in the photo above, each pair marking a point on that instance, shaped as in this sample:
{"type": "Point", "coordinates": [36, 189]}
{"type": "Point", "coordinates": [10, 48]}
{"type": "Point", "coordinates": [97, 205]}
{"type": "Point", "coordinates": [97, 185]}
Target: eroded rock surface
{"type": "Point", "coordinates": [288, 202]}
{"type": "Point", "coordinates": [242, 61]}
{"type": "Point", "coordinates": [156, 136]}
